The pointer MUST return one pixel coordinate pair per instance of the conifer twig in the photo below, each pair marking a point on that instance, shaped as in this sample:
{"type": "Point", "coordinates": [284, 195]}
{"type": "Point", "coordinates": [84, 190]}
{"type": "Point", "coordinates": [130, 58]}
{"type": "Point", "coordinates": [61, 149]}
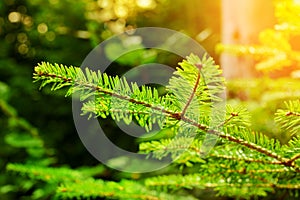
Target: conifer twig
{"type": "Point", "coordinates": [174, 115]}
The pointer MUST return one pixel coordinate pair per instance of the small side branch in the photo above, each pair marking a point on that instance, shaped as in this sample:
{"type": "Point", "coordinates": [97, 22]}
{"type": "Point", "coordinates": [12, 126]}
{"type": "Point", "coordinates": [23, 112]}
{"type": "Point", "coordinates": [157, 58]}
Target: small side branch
{"type": "Point", "coordinates": [291, 162]}
{"type": "Point", "coordinates": [232, 115]}
{"type": "Point", "coordinates": [247, 159]}
{"type": "Point", "coordinates": [191, 96]}
{"type": "Point", "coordinates": [290, 113]}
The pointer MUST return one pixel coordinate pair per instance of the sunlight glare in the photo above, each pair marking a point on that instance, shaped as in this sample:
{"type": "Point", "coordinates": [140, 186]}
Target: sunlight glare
{"type": "Point", "coordinates": [146, 4]}
{"type": "Point", "coordinates": [121, 11]}
{"type": "Point", "coordinates": [297, 1]}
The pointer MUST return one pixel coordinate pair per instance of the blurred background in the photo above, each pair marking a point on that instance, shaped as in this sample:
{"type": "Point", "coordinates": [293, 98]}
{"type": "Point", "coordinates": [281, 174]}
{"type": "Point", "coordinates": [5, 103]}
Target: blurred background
{"type": "Point", "coordinates": [65, 31]}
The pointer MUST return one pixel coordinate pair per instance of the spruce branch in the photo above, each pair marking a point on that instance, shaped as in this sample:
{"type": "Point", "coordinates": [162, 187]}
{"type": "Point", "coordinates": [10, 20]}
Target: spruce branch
{"type": "Point", "coordinates": [105, 87]}
{"type": "Point", "coordinates": [186, 110]}
{"type": "Point", "coordinates": [289, 119]}
{"type": "Point", "coordinates": [192, 93]}
{"type": "Point", "coordinates": [236, 116]}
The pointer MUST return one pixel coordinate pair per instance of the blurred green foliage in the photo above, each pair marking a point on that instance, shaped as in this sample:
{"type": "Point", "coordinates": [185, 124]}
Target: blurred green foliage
{"type": "Point", "coordinates": [35, 123]}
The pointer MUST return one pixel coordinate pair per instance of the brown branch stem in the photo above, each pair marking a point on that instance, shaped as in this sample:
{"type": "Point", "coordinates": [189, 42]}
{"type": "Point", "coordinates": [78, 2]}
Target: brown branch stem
{"type": "Point", "coordinates": [191, 96]}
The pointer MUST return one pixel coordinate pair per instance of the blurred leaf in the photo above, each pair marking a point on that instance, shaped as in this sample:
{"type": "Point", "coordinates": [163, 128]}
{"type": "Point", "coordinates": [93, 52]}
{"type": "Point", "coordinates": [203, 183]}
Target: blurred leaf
{"type": "Point", "coordinates": [129, 51]}
{"type": "Point", "coordinates": [23, 140]}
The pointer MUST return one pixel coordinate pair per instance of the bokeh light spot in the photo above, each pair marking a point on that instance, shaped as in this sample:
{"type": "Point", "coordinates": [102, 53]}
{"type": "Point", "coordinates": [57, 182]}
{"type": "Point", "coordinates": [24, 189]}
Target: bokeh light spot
{"type": "Point", "coordinates": [22, 37]}
{"type": "Point", "coordinates": [121, 11]}
{"type": "Point", "coordinates": [104, 3]}
{"type": "Point", "coordinates": [42, 28]}
{"type": "Point", "coordinates": [146, 4]}
{"type": "Point", "coordinates": [62, 30]}
{"type": "Point", "coordinates": [22, 9]}
{"type": "Point", "coordinates": [117, 26]}
{"type": "Point", "coordinates": [23, 49]}
{"type": "Point", "coordinates": [50, 36]}
{"type": "Point", "coordinates": [82, 34]}
{"type": "Point", "coordinates": [10, 37]}
{"type": "Point", "coordinates": [27, 21]}
{"type": "Point", "coordinates": [14, 17]}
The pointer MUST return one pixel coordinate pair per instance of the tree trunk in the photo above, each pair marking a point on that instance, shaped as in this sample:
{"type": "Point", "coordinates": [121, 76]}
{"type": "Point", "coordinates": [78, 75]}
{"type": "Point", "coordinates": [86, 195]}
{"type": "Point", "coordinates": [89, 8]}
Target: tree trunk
{"type": "Point", "coordinates": [242, 20]}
